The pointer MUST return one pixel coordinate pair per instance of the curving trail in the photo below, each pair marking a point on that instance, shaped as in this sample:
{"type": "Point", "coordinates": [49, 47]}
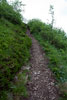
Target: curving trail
{"type": "Point", "coordinates": [41, 86]}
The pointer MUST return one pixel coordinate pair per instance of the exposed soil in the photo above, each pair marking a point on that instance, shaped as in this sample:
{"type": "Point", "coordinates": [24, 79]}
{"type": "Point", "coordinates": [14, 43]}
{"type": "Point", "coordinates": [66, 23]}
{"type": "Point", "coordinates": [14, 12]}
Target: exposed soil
{"type": "Point", "coordinates": [42, 83]}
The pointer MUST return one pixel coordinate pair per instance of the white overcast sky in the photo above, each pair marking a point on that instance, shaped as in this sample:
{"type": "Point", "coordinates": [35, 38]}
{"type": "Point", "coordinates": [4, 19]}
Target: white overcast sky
{"type": "Point", "coordinates": [40, 9]}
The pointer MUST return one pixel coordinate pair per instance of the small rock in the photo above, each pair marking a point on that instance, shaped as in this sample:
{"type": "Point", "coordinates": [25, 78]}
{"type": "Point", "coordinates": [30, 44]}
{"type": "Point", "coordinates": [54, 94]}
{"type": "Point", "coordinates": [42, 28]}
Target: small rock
{"type": "Point", "coordinates": [52, 83]}
{"type": "Point", "coordinates": [35, 88]}
{"type": "Point", "coordinates": [37, 73]}
{"type": "Point", "coordinates": [26, 67]}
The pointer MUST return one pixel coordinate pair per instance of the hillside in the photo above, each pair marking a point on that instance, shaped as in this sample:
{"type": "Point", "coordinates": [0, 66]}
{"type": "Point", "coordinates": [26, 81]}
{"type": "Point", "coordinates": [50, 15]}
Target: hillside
{"type": "Point", "coordinates": [33, 58]}
{"type": "Point", "coordinates": [14, 47]}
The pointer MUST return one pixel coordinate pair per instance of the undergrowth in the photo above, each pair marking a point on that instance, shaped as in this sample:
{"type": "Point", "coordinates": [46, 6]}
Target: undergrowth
{"type": "Point", "coordinates": [7, 12]}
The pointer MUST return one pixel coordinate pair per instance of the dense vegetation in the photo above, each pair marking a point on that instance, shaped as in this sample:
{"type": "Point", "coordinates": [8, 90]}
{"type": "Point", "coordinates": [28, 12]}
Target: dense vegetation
{"type": "Point", "coordinates": [14, 46]}
{"type": "Point", "coordinates": [7, 11]}
{"type": "Point", "coordinates": [54, 43]}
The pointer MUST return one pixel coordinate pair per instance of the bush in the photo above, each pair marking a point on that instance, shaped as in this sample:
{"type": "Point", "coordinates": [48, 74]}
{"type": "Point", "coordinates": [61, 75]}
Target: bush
{"type": "Point", "coordinates": [55, 36]}
{"type": "Point", "coordinates": [7, 12]}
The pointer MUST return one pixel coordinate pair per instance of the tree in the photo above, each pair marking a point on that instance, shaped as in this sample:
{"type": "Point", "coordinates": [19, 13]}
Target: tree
{"type": "Point", "coordinates": [3, 1]}
{"type": "Point", "coordinates": [51, 10]}
{"type": "Point", "coordinates": [17, 6]}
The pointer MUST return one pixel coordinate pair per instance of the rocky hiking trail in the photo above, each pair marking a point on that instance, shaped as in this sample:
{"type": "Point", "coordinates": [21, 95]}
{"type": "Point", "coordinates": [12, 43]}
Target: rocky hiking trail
{"type": "Point", "coordinates": [41, 86]}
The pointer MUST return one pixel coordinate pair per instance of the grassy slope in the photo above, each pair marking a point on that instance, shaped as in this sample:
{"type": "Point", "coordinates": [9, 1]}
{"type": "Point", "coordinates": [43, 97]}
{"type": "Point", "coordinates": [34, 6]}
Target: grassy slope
{"type": "Point", "coordinates": [14, 51]}
{"type": "Point", "coordinates": [54, 44]}
{"type": "Point", "coordinates": [14, 47]}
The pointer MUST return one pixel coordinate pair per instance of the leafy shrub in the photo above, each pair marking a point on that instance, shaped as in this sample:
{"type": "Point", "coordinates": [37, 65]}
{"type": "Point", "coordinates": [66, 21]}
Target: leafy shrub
{"type": "Point", "coordinates": [55, 36]}
{"type": "Point", "coordinates": [35, 26]}
{"type": "Point", "coordinates": [7, 11]}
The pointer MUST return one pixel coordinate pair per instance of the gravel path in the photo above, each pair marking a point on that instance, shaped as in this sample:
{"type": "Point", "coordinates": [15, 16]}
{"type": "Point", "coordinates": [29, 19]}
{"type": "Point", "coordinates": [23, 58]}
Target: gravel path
{"type": "Point", "coordinates": [41, 86]}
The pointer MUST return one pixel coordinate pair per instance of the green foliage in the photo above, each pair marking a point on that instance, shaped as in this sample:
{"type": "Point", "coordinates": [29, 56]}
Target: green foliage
{"type": "Point", "coordinates": [35, 26]}
{"type": "Point", "coordinates": [55, 36]}
{"type": "Point", "coordinates": [54, 43]}
{"type": "Point", "coordinates": [7, 11]}
{"type": "Point", "coordinates": [17, 6]}
{"type": "Point", "coordinates": [14, 51]}
{"type": "Point", "coordinates": [3, 95]}
{"type": "Point", "coordinates": [14, 47]}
